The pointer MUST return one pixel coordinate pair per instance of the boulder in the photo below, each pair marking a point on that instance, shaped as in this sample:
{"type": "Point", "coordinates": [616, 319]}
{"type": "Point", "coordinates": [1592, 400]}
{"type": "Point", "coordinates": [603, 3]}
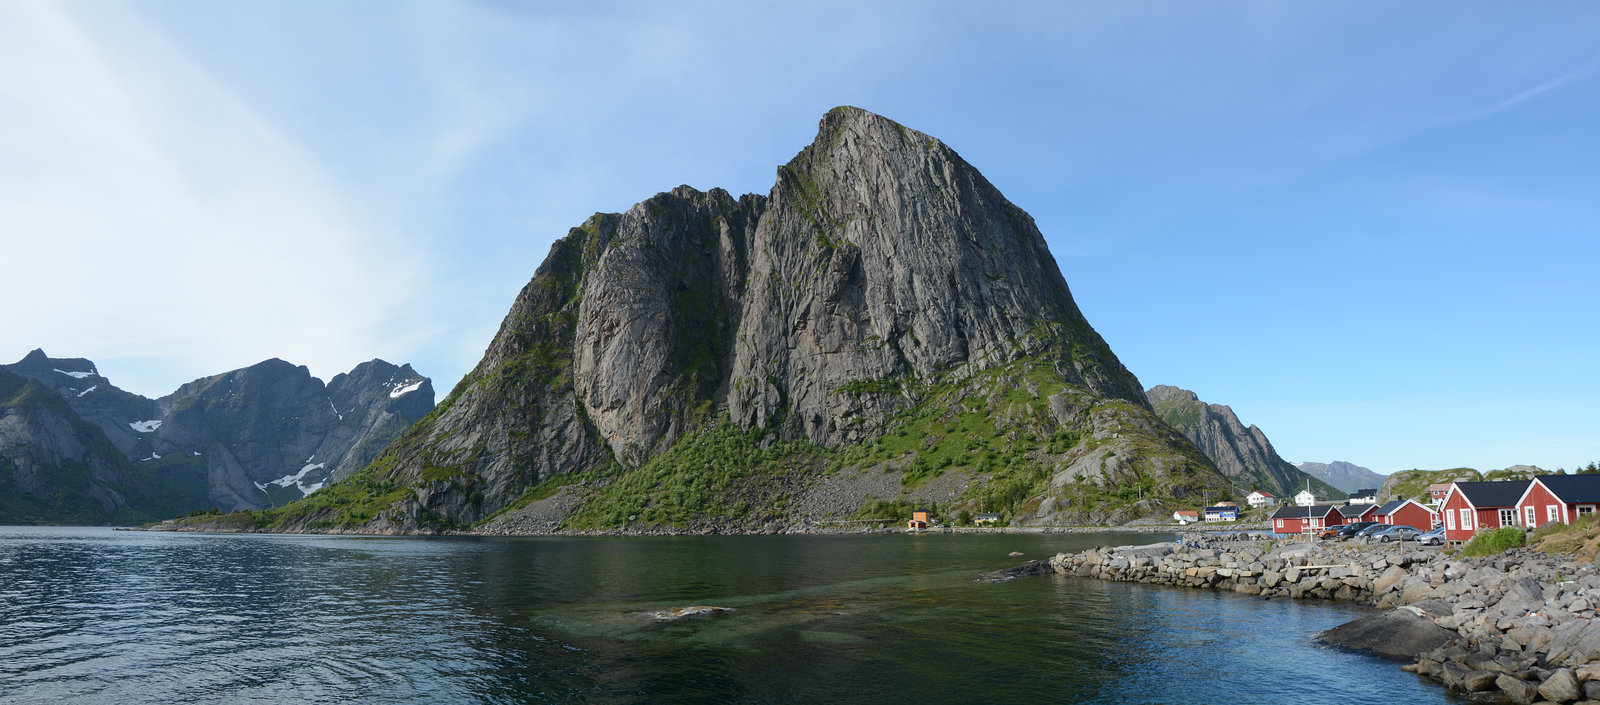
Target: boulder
{"type": "Point", "coordinates": [1518, 690]}
{"type": "Point", "coordinates": [1561, 687]}
{"type": "Point", "coordinates": [1400, 635]}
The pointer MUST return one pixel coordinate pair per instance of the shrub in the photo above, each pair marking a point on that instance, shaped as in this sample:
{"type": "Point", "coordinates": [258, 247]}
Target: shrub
{"type": "Point", "coordinates": [1489, 543]}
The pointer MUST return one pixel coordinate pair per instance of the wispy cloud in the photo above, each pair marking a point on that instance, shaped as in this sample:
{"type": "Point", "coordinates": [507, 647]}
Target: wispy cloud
{"type": "Point", "coordinates": [1524, 96]}
{"type": "Point", "coordinates": [149, 213]}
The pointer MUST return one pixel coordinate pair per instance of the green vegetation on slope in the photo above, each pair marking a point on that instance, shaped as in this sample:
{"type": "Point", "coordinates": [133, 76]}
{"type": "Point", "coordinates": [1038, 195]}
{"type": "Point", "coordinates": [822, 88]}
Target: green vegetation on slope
{"type": "Point", "coordinates": [1489, 543]}
{"type": "Point", "coordinates": [711, 475]}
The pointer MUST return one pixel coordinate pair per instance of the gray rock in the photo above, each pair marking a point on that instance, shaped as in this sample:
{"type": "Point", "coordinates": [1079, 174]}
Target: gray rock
{"type": "Point", "coordinates": [1397, 634]}
{"type": "Point", "coordinates": [1561, 687]}
{"type": "Point", "coordinates": [1520, 691]}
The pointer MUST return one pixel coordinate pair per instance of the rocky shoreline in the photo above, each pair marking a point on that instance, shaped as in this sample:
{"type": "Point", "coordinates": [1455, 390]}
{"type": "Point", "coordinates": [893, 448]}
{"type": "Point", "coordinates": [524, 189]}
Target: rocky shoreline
{"type": "Point", "coordinates": [1517, 627]}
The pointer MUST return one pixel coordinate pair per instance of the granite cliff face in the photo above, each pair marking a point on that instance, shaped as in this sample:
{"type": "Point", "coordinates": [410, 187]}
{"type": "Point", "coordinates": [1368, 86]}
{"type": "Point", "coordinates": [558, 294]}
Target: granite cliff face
{"type": "Point", "coordinates": [702, 361]}
{"type": "Point", "coordinates": [1241, 453]}
{"type": "Point", "coordinates": [252, 438]}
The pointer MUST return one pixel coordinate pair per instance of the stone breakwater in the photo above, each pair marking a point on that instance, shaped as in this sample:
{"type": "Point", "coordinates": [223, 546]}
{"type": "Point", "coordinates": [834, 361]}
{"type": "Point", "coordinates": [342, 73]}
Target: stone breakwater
{"type": "Point", "coordinates": [1517, 627]}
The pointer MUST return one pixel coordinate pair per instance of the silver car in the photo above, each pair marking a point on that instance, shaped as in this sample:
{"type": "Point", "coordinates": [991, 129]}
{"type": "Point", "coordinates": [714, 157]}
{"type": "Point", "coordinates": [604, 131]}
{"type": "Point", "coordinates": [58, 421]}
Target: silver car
{"type": "Point", "coordinates": [1432, 538]}
{"type": "Point", "coordinates": [1395, 533]}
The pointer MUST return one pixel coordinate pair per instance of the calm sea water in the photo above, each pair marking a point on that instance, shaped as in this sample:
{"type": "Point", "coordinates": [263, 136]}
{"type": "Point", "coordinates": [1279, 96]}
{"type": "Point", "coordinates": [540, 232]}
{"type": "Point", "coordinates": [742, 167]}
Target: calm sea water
{"type": "Point", "coordinates": [96, 616]}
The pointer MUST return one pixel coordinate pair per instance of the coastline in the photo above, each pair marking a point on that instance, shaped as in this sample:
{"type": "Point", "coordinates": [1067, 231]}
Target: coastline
{"type": "Point", "coordinates": [1514, 627]}
{"type": "Point", "coordinates": [174, 525]}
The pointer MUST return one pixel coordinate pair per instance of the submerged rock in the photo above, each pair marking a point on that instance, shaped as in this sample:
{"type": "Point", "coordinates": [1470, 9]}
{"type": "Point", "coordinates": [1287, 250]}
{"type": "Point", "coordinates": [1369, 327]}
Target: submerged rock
{"type": "Point", "coordinates": [691, 611]}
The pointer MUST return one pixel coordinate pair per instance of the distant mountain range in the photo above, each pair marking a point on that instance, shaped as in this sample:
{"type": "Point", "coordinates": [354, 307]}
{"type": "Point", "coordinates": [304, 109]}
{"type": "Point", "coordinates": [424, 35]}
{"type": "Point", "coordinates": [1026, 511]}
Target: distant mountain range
{"type": "Point", "coordinates": [1343, 475]}
{"type": "Point", "coordinates": [74, 448]}
{"type": "Point", "coordinates": [1243, 454]}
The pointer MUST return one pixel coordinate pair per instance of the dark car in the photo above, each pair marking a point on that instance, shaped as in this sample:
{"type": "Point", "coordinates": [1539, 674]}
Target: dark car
{"type": "Point", "coordinates": [1348, 530]}
{"type": "Point", "coordinates": [1369, 531]}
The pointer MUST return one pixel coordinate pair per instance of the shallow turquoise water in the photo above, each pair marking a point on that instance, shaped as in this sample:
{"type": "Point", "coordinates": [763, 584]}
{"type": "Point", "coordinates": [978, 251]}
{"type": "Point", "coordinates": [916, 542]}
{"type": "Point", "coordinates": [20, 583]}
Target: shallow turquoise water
{"type": "Point", "coordinates": [96, 616]}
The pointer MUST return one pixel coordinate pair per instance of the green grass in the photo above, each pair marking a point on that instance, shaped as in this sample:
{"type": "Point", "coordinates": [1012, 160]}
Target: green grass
{"type": "Point", "coordinates": [700, 478]}
{"type": "Point", "coordinates": [1495, 541]}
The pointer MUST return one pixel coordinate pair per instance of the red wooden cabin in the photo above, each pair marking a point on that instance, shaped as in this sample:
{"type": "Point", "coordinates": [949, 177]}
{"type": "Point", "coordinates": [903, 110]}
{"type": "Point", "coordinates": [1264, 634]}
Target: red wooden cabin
{"type": "Point", "coordinates": [1559, 498]}
{"type": "Point", "coordinates": [1472, 506]}
{"type": "Point", "coordinates": [1295, 520]}
{"type": "Point", "coordinates": [1406, 512]}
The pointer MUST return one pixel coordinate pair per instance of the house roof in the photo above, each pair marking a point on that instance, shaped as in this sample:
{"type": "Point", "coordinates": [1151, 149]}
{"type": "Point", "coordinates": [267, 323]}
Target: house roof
{"type": "Point", "coordinates": [1316, 510]}
{"type": "Point", "coordinates": [1391, 505]}
{"type": "Point", "coordinates": [1573, 488]}
{"type": "Point", "coordinates": [989, 515]}
{"type": "Point", "coordinates": [1439, 487]}
{"type": "Point", "coordinates": [1368, 492]}
{"type": "Point", "coordinates": [1486, 495]}
{"type": "Point", "coordinates": [1223, 508]}
{"type": "Point", "coordinates": [1355, 510]}
{"type": "Point", "coordinates": [1259, 493]}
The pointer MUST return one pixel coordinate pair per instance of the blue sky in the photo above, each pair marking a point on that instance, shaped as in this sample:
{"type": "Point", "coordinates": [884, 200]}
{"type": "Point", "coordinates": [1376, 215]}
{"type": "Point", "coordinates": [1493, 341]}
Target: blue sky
{"type": "Point", "coordinates": [1371, 228]}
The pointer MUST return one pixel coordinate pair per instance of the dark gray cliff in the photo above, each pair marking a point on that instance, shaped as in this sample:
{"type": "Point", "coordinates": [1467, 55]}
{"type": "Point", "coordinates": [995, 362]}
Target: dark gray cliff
{"type": "Point", "coordinates": [1241, 453]}
{"type": "Point", "coordinates": [56, 468]}
{"type": "Point", "coordinates": [883, 285]}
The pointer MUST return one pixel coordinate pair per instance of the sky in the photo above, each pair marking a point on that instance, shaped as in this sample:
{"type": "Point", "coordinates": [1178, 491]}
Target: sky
{"type": "Point", "coordinates": [1370, 228]}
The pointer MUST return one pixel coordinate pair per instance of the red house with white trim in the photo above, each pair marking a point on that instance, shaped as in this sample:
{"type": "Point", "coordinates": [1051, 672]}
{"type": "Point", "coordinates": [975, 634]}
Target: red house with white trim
{"type": "Point", "coordinates": [1559, 498]}
{"type": "Point", "coordinates": [1472, 506]}
{"type": "Point", "coordinates": [1406, 512]}
{"type": "Point", "coordinates": [1295, 520]}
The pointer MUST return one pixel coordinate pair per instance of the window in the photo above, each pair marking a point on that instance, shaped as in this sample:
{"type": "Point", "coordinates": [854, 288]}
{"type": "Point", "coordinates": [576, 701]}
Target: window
{"type": "Point", "coordinates": [1449, 520]}
{"type": "Point", "coordinates": [1552, 513]}
{"type": "Point", "coordinates": [1527, 515]}
{"type": "Point", "coordinates": [1508, 517]}
{"type": "Point", "coordinates": [1585, 510]}
{"type": "Point", "coordinates": [1466, 519]}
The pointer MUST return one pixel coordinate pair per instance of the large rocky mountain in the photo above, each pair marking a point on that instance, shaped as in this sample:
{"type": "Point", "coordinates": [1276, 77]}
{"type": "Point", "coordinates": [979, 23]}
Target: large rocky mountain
{"type": "Point", "coordinates": [1345, 476]}
{"type": "Point", "coordinates": [884, 328]}
{"type": "Point", "coordinates": [252, 438]}
{"type": "Point", "coordinates": [1241, 453]}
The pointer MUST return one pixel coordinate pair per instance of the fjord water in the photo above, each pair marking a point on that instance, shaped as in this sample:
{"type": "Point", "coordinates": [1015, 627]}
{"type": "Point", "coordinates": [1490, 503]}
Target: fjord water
{"type": "Point", "coordinates": [96, 616]}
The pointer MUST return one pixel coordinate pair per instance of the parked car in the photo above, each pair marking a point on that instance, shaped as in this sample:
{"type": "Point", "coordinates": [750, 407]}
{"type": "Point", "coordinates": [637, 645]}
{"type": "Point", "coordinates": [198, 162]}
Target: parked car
{"type": "Point", "coordinates": [1369, 531]}
{"type": "Point", "coordinates": [1329, 532]}
{"type": "Point", "coordinates": [1431, 538]}
{"type": "Point", "coordinates": [1395, 533]}
{"type": "Point", "coordinates": [1348, 530]}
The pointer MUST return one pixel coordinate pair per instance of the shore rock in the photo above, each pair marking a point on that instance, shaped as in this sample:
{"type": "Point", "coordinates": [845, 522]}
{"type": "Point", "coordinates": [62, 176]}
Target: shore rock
{"type": "Point", "coordinates": [1399, 634]}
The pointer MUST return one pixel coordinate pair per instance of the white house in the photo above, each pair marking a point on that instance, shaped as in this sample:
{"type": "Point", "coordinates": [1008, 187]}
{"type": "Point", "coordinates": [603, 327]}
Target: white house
{"type": "Point", "coordinates": [1305, 499]}
{"type": "Point", "coordinates": [1363, 496]}
{"type": "Point", "coordinates": [1260, 499]}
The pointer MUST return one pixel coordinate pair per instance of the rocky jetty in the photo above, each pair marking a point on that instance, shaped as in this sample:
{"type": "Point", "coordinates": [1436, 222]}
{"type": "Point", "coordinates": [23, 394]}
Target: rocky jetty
{"type": "Point", "coordinates": [1517, 627]}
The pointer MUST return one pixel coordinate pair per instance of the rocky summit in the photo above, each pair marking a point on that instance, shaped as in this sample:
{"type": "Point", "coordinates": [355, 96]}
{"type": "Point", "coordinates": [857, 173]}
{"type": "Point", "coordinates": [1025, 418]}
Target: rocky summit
{"type": "Point", "coordinates": [252, 438]}
{"type": "Point", "coordinates": [1243, 454]}
{"type": "Point", "coordinates": [883, 329]}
